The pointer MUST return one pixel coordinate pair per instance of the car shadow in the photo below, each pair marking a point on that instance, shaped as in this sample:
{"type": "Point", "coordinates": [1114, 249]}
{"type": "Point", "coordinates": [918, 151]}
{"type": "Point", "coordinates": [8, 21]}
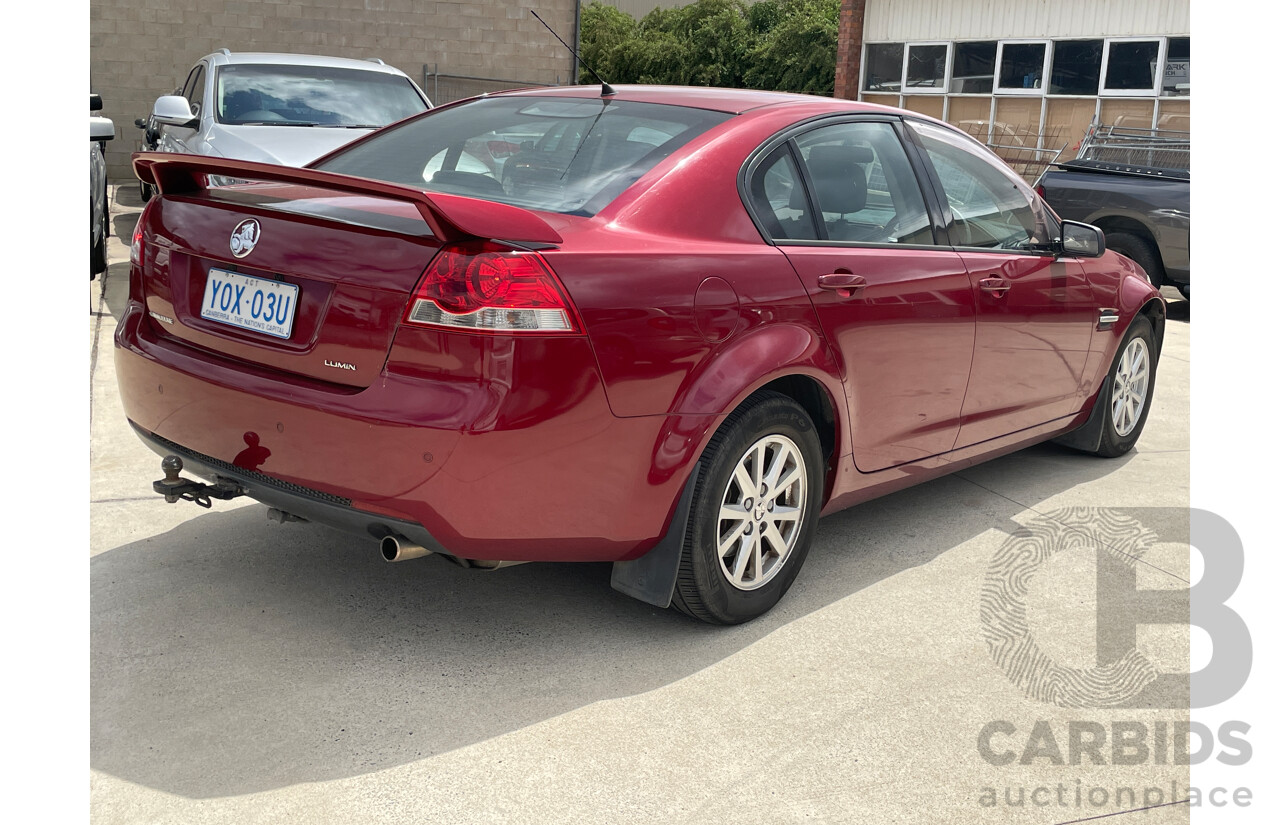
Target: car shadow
{"type": "Point", "coordinates": [114, 290]}
{"type": "Point", "coordinates": [231, 656]}
{"type": "Point", "coordinates": [122, 226]}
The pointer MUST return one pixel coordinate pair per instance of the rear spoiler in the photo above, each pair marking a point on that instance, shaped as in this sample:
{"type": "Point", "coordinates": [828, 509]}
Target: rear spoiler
{"type": "Point", "coordinates": [450, 217]}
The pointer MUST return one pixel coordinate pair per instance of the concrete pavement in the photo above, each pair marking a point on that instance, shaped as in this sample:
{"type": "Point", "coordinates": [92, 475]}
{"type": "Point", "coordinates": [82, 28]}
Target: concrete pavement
{"type": "Point", "coordinates": [244, 671]}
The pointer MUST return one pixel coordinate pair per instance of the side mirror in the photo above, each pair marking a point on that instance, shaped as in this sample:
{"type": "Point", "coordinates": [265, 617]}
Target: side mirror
{"type": "Point", "coordinates": [1080, 240]}
{"type": "Point", "coordinates": [173, 110]}
{"type": "Point", "coordinates": [101, 128]}
{"type": "Point", "coordinates": [95, 102]}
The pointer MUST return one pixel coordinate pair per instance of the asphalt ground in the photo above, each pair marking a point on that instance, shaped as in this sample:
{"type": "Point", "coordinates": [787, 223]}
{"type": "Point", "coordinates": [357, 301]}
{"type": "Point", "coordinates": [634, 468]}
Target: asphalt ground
{"type": "Point", "coordinates": [244, 671]}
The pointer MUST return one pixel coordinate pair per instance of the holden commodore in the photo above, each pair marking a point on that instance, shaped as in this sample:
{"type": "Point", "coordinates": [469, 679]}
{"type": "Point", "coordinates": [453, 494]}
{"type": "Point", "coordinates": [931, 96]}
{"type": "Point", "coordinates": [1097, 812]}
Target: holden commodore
{"type": "Point", "coordinates": [666, 328]}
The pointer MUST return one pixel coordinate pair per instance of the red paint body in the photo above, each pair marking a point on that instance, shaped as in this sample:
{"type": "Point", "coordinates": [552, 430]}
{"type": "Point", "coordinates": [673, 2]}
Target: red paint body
{"type": "Point", "coordinates": [575, 446]}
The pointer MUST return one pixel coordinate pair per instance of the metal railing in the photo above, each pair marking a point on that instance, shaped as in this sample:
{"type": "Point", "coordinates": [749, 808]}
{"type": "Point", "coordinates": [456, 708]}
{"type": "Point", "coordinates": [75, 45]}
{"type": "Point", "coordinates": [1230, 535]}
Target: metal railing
{"type": "Point", "coordinates": [1026, 149]}
{"type": "Point", "coordinates": [1149, 148]}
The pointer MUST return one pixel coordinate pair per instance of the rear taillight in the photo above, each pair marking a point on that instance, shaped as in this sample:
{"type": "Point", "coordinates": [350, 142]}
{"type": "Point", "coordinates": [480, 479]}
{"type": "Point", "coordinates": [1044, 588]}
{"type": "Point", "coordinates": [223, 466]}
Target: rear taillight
{"type": "Point", "coordinates": [1040, 190]}
{"type": "Point", "coordinates": [135, 249]}
{"type": "Point", "coordinates": [206, 181]}
{"type": "Point", "coordinates": [488, 287]}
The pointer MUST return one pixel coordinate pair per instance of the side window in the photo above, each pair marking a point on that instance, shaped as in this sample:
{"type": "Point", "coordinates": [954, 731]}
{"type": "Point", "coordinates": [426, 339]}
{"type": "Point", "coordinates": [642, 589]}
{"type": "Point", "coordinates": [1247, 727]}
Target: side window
{"type": "Point", "coordinates": [185, 88]}
{"type": "Point", "coordinates": [864, 184]}
{"type": "Point", "coordinates": [992, 207]}
{"type": "Point", "coordinates": [779, 200]}
{"type": "Point", "coordinates": [194, 90]}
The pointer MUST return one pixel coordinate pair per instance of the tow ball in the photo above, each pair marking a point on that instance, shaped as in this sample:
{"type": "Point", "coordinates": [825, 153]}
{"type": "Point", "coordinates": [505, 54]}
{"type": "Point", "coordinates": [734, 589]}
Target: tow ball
{"type": "Point", "coordinates": [174, 488]}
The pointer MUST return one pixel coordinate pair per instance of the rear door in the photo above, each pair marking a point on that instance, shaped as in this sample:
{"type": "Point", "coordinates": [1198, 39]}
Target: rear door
{"type": "Point", "coordinates": [843, 203]}
{"type": "Point", "coordinates": [1036, 312]}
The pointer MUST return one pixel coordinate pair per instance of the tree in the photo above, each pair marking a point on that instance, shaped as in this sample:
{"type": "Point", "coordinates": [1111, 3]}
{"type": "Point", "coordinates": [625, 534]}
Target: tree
{"type": "Point", "coordinates": [772, 44]}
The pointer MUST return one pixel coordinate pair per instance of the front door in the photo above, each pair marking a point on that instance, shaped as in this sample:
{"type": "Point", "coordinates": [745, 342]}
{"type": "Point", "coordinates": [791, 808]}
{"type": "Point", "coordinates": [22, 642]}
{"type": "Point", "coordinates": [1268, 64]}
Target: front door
{"type": "Point", "coordinates": [1036, 312]}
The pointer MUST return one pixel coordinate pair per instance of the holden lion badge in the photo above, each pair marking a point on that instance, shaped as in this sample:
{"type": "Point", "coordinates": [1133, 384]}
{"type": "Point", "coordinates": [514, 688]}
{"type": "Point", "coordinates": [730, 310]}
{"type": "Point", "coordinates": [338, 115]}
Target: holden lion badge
{"type": "Point", "coordinates": [244, 237]}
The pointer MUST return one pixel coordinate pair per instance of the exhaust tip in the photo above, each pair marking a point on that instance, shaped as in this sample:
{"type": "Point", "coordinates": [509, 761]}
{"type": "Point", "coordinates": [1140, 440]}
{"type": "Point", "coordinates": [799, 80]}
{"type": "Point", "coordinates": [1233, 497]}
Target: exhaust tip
{"type": "Point", "coordinates": [394, 548]}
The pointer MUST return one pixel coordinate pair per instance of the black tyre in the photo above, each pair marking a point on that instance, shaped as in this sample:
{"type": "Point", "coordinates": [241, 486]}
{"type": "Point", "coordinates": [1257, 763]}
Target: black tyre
{"type": "Point", "coordinates": [755, 510]}
{"type": "Point", "coordinates": [144, 191]}
{"type": "Point", "coordinates": [98, 250]}
{"type": "Point", "coordinates": [1127, 391]}
{"type": "Point", "coordinates": [1142, 253]}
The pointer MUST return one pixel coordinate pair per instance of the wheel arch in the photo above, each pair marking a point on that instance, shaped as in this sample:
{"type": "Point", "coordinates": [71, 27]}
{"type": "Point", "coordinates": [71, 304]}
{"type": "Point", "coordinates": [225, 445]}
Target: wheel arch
{"type": "Point", "coordinates": [789, 359]}
{"type": "Point", "coordinates": [1135, 227]}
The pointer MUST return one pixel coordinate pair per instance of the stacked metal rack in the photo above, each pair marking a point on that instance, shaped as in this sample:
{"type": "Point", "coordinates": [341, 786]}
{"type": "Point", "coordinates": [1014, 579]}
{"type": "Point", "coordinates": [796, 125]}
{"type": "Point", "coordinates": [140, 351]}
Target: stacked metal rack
{"type": "Point", "coordinates": [1027, 150]}
{"type": "Point", "coordinates": [1157, 152]}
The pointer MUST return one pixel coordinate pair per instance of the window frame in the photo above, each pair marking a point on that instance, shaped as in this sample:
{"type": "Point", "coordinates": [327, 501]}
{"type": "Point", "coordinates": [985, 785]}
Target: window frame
{"type": "Point", "coordinates": [1045, 69]}
{"type": "Point", "coordinates": [198, 83]}
{"type": "Point", "coordinates": [902, 69]}
{"type": "Point", "coordinates": [951, 68]}
{"type": "Point", "coordinates": [906, 64]}
{"type": "Point", "coordinates": [1048, 87]}
{"type": "Point", "coordinates": [751, 166]}
{"type": "Point", "coordinates": [1162, 47]}
{"type": "Point", "coordinates": [1164, 68]}
{"type": "Point", "coordinates": [1052, 223]}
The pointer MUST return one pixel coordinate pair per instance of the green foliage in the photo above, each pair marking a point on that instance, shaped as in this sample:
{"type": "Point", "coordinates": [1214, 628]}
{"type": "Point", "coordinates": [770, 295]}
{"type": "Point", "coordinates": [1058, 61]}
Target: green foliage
{"type": "Point", "coordinates": [787, 45]}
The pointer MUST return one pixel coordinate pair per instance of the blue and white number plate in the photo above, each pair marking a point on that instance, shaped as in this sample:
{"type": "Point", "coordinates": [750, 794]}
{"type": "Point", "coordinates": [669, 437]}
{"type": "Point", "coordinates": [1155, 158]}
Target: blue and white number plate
{"type": "Point", "coordinates": [249, 303]}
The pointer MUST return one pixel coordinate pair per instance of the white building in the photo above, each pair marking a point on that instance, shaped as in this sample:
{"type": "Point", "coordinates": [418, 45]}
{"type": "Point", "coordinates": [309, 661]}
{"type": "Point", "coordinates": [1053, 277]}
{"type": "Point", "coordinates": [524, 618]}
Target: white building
{"type": "Point", "coordinates": [1040, 67]}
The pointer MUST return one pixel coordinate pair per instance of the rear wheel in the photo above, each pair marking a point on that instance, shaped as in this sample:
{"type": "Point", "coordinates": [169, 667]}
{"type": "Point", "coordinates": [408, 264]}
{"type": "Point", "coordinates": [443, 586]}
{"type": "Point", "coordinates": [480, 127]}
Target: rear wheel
{"type": "Point", "coordinates": [1136, 248]}
{"type": "Point", "coordinates": [755, 509]}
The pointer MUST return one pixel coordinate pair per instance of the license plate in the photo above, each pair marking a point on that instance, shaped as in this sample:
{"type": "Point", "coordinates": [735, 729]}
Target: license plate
{"type": "Point", "coordinates": [249, 303]}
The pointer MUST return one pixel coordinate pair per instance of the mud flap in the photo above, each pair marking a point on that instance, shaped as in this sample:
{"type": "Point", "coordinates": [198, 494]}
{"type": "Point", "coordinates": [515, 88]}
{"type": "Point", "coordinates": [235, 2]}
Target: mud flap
{"type": "Point", "coordinates": [652, 577]}
{"type": "Point", "coordinates": [1087, 437]}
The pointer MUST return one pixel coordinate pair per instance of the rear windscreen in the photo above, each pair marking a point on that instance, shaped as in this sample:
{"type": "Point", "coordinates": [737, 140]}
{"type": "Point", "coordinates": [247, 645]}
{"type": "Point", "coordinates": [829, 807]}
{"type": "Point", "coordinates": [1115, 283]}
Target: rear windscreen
{"type": "Point", "coordinates": [568, 155]}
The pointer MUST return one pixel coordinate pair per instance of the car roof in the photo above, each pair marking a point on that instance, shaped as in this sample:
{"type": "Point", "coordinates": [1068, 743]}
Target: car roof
{"type": "Point", "coordinates": [285, 59]}
{"type": "Point", "coordinates": [731, 101]}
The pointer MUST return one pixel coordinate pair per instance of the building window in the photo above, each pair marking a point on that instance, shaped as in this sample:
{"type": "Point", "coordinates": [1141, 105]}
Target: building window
{"type": "Point", "coordinates": [1131, 67]}
{"type": "Point", "coordinates": [883, 72]}
{"type": "Point", "coordinates": [973, 67]}
{"type": "Point", "coordinates": [1022, 67]}
{"type": "Point", "coordinates": [1077, 67]}
{"type": "Point", "coordinates": [927, 68]}
{"type": "Point", "coordinates": [1177, 68]}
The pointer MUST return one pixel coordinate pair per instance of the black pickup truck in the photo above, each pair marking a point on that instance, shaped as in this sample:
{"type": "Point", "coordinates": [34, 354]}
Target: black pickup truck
{"type": "Point", "coordinates": [1134, 185]}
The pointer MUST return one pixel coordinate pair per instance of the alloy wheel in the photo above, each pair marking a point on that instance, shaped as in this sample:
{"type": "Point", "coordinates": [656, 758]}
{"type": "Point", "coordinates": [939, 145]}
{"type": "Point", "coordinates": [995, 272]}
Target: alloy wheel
{"type": "Point", "coordinates": [761, 512]}
{"type": "Point", "coordinates": [1129, 387]}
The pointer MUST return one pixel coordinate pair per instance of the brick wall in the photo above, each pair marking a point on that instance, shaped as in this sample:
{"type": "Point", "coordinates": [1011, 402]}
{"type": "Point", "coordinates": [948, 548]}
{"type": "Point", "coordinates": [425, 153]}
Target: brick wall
{"type": "Point", "coordinates": [141, 49]}
{"type": "Point", "coordinates": [849, 48]}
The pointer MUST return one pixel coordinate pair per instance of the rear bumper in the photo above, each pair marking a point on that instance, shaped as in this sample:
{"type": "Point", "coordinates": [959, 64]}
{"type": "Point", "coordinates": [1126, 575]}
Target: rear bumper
{"type": "Point", "coordinates": [525, 464]}
{"type": "Point", "coordinates": [313, 505]}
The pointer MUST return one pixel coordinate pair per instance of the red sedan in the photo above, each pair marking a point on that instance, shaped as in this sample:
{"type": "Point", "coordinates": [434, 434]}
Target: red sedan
{"type": "Point", "coordinates": [666, 328]}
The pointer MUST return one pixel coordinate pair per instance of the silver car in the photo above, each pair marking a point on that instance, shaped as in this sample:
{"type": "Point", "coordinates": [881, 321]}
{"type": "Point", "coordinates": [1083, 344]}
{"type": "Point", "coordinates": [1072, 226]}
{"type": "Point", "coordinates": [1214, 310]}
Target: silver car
{"type": "Point", "coordinates": [101, 130]}
{"type": "Point", "coordinates": [287, 109]}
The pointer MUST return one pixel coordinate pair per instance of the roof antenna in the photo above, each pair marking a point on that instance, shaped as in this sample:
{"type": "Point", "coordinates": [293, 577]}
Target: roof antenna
{"type": "Point", "coordinates": [605, 89]}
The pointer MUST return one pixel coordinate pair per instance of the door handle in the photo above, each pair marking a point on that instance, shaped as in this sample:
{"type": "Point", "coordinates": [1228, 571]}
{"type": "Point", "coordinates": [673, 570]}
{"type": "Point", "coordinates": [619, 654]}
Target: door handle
{"type": "Point", "coordinates": [844, 284]}
{"type": "Point", "coordinates": [996, 286]}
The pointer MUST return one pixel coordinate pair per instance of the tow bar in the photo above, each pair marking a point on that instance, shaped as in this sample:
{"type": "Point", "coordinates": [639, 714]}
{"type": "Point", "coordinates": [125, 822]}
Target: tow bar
{"type": "Point", "coordinates": [174, 488]}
